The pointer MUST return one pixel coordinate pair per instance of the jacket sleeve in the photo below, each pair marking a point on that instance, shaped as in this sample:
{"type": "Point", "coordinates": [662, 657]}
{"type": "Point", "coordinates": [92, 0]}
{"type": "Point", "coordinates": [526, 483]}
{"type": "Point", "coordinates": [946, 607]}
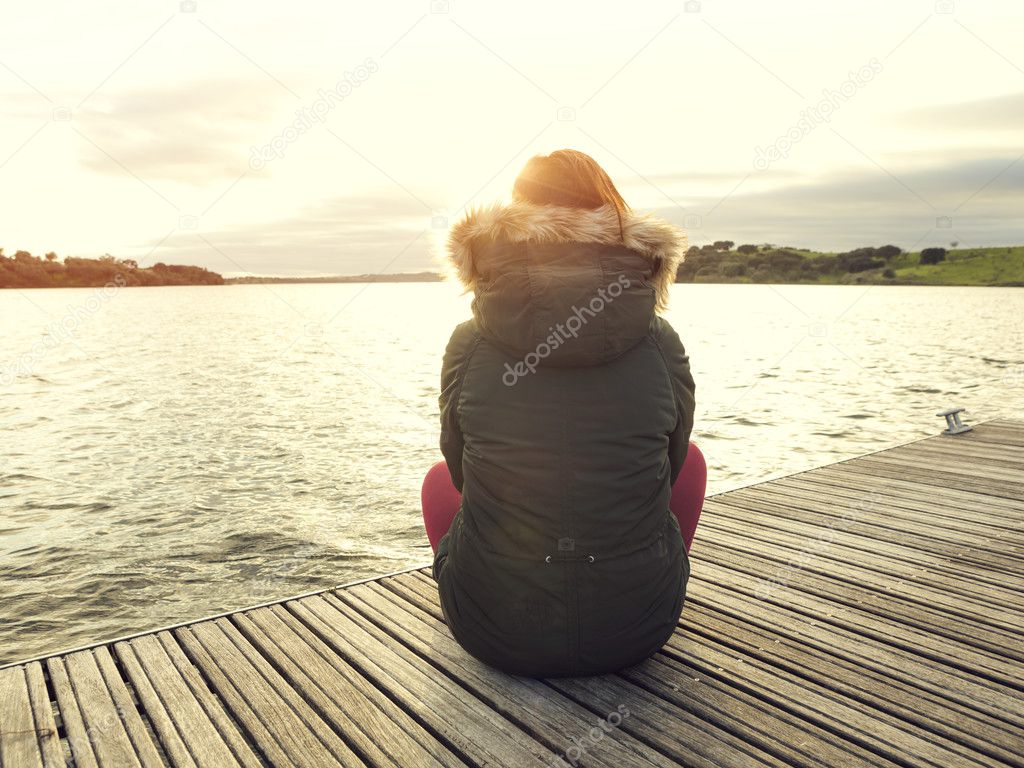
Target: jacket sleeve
{"type": "Point", "coordinates": [678, 365]}
{"type": "Point", "coordinates": [453, 372]}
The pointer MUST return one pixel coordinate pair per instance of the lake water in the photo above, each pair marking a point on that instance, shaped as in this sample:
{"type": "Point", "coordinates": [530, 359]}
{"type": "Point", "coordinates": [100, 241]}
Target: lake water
{"type": "Point", "coordinates": [171, 453]}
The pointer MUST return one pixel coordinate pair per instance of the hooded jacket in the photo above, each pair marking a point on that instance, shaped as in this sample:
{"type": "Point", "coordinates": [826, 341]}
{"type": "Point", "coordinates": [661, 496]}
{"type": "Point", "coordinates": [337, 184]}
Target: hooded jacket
{"type": "Point", "coordinates": [566, 411]}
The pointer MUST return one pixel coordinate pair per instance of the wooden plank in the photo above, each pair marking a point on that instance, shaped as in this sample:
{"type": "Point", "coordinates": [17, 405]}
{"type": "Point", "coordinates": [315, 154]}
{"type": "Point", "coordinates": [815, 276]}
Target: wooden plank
{"type": "Point", "coordinates": [19, 738]}
{"type": "Point", "coordinates": [102, 715]}
{"type": "Point", "coordinates": [890, 661]}
{"type": "Point", "coordinates": [977, 467]}
{"type": "Point", "coordinates": [302, 738]}
{"type": "Point", "coordinates": [655, 721]}
{"type": "Point", "coordinates": [955, 481]}
{"type": "Point", "coordinates": [131, 720]}
{"type": "Point", "coordinates": [878, 547]}
{"type": "Point", "coordinates": [188, 734]}
{"type": "Point", "coordinates": [1001, 456]}
{"type": "Point", "coordinates": [461, 721]}
{"type": "Point", "coordinates": [825, 550]}
{"type": "Point", "coordinates": [977, 473]}
{"type": "Point", "coordinates": [958, 450]}
{"type": "Point", "coordinates": [881, 624]}
{"type": "Point", "coordinates": [79, 743]}
{"type": "Point", "coordinates": [528, 703]}
{"type": "Point", "coordinates": [996, 433]}
{"type": "Point", "coordinates": [991, 437]}
{"type": "Point", "coordinates": [859, 607]}
{"type": "Point", "coordinates": [900, 642]}
{"type": "Point", "coordinates": [993, 549]}
{"type": "Point", "coordinates": [42, 710]}
{"type": "Point", "coordinates": [397, 717]}
{"type": "Point", "coordinates": [691, 695]}
{"type": "Point", "coordinates": [945, 715]}
{"type": "Point", "coordinates": [900, 505]}
{"type": "Point", "coordinates": [989, 701]}
{"type": "Point", "coordinates": [995, 650]}
{"type": "Point", "coordinates": [371, 730]}
{"type": "Point", "coordinates": [212, 706]}
{"type": "Point", "coordinates": [973, 447]}
{"type": "Point", "coordinates": [1017, 425]}
{"type": "Point", "coordinates": [725, 713]}
{"type": "Point", "coordinates": [237, 700]}
{"type": "Point", "coordinates": [888, 737]}
{"type": "Point", "coordinates": [166, 730]}
{"type": "Point", "coordinates": [902, 488]}
{"type": "Point", "coordinates": [977, 563]}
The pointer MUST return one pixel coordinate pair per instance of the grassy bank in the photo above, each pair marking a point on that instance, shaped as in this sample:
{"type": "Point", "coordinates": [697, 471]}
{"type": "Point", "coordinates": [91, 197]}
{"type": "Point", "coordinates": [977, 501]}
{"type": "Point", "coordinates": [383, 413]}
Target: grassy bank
{"type": "Point", "coordinates": [770, 264]}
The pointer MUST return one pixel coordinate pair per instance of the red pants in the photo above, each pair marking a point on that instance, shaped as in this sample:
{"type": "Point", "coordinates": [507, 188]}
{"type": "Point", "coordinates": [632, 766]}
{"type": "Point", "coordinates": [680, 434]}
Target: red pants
{"type": "Point", "coordinates": [441, 501]}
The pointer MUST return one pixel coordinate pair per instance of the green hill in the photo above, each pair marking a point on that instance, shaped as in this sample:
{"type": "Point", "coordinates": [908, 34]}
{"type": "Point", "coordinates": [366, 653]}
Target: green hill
{"type": "Point", "coordinates": [965, 266]}
{"type": "Point", "coordinates": [885, 265]}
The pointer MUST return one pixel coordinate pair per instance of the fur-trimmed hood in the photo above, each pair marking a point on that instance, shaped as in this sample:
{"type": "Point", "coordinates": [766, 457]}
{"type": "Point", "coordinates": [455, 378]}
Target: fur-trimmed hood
{"type": "Point", "coordinates": [561, 286]}
{"type": "Point", "coordinates": [656, 240]}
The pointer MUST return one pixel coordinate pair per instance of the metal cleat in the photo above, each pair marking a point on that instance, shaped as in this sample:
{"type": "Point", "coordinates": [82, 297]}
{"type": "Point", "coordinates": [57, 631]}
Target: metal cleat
{"type": "Point", "coordinates": [953, 424]}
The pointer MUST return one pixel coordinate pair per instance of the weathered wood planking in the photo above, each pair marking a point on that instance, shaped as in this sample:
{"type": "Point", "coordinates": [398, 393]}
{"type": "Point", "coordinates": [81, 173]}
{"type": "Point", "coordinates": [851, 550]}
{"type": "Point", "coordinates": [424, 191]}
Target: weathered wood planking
{"type": "Point", "coordinates": [867, 613]}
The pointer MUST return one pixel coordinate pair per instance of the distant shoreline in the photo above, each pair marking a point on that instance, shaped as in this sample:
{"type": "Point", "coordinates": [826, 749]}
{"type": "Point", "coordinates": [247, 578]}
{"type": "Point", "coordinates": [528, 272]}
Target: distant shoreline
{"type": "Point", "coordinates": [398, 277]}
{"type": "Point", "coordinates": [715, 264]}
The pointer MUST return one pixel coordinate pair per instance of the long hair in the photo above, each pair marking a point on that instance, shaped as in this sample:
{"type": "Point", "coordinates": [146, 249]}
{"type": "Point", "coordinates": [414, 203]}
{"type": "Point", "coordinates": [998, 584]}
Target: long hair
{"type": "Point", "coordinates": [569, 179]}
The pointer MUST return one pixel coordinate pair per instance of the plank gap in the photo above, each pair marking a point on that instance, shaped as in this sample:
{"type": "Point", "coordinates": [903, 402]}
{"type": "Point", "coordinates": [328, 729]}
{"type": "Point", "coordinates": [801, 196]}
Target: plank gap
{"type": "Point", "coordinates": [364, 671]}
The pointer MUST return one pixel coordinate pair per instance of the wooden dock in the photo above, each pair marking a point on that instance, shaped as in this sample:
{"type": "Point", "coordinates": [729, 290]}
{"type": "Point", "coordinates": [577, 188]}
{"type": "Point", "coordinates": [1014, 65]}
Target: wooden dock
{"type": "Point", "coordinates": [867, 613]}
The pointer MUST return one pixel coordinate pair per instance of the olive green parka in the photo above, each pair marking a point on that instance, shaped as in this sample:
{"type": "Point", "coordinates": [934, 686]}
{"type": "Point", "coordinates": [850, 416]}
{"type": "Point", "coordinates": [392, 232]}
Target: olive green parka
{"type": "Point", "coordinates": [566, 411]}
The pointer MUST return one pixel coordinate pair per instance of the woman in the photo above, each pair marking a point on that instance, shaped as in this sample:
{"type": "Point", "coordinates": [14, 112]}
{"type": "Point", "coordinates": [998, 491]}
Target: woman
{"type": "Point", "coordinates": [569, 493]}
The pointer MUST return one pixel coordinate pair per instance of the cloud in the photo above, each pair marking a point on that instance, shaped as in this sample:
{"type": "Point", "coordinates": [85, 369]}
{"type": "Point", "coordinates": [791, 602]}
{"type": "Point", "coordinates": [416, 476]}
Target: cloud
{"type": "Point", "coordinates": [984, 198]}
{"type": "Point", "coordinates": [191, 132]}
{"type": "Point", "coordinates": [368, 234]}
{"type": "Point", "coordinates": [998, 113]}
{"type": "Point", "coordinates": [342, 236]}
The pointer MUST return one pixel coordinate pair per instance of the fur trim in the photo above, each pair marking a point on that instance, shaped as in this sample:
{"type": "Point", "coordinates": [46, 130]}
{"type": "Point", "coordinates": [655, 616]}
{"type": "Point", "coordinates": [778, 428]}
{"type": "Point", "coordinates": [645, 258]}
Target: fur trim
{"type": "Point", "coordinates": [659, 241]}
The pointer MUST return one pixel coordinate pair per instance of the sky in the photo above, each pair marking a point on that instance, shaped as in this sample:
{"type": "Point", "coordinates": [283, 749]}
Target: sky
{"type": "Point", "coordinates": [345, 138]}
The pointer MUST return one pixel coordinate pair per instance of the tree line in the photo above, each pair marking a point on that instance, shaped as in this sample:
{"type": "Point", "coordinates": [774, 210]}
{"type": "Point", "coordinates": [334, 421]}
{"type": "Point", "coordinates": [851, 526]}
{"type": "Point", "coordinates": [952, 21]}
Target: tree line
{"type": "Point", "coordinates": [23, 270]}
{"type": "Point", "coordinates": [768, 263]}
